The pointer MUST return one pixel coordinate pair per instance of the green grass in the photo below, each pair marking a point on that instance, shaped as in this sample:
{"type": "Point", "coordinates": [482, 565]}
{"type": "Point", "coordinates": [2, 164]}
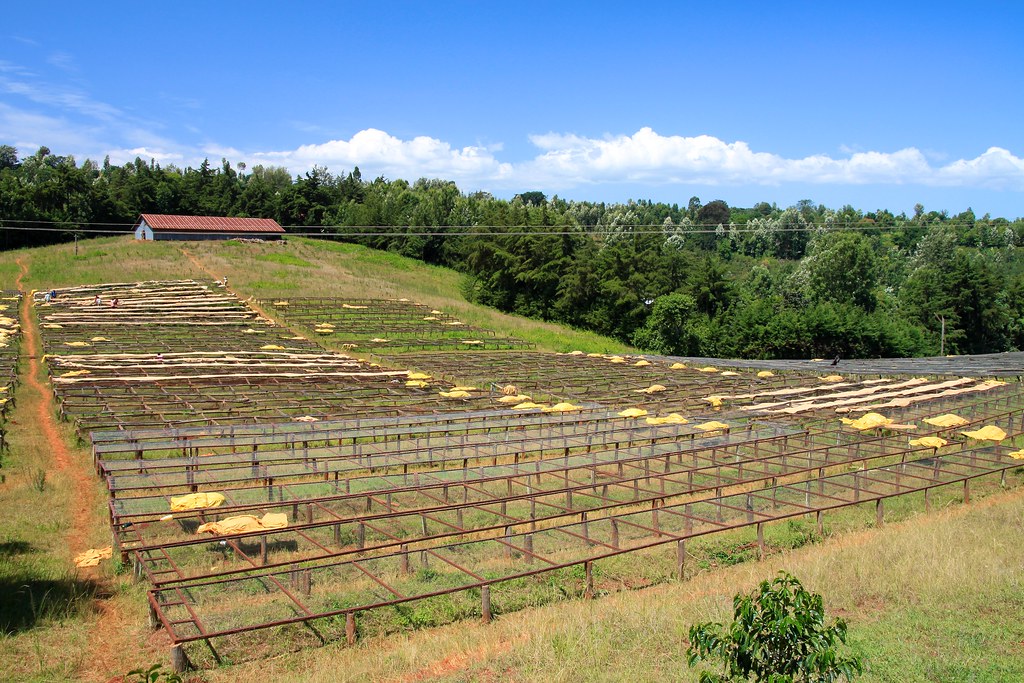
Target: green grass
{"type": "Point", "coordinates": [928, 597]}
{"type": "Point", "coordinates": [297, 267]}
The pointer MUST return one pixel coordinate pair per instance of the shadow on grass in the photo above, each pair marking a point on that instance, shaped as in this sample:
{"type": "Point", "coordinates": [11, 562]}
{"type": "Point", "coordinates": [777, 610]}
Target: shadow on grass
{"type": "Point", "coordinates": [31, 595]}
{"type": "Point", "coordinates": [26, 602]}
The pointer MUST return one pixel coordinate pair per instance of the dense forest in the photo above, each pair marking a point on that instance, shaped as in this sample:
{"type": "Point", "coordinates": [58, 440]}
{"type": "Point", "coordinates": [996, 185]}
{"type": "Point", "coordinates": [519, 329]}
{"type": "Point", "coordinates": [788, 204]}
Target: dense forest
{"type": "Point", "coordinates": [694, 279]}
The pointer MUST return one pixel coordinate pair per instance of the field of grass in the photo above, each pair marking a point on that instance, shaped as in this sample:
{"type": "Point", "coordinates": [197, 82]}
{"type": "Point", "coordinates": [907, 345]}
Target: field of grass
{"type": "Point", "coordinates": [929, 597]}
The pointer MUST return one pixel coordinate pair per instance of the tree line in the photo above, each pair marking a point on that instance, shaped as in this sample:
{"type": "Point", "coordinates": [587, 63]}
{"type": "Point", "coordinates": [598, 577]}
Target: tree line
{"type": "Point", "coordinates": [695, 279]}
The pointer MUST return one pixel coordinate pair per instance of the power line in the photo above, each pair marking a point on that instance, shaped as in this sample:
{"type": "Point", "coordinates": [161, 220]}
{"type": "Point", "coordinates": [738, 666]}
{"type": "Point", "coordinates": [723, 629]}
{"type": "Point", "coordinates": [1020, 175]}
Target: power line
{"type": "Point", "coordinates": [483, 230]}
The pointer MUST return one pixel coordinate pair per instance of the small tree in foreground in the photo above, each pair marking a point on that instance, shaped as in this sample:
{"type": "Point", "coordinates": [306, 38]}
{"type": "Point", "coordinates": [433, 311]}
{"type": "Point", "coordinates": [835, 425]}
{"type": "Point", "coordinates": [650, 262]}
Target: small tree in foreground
{"type": "Point", "coordinates": [778, 635]}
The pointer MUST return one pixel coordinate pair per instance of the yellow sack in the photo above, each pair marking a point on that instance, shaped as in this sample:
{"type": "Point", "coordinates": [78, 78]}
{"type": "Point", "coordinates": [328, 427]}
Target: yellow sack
{"type": "Point", "coordinates": [642, 363]}
{"type": "Point", "coordinates": [1018, 455]}
{"type": "Point", "coordinates": [455, 394]}
{"type": "Point", "coordinates": [563, 407]}
{"type": "Point", "coordinates": [196, 501]}
{"type": "Point", "coordinates": [416, 384]}
{"type": "Point", "coordinates": [929, 441]}
{"type": "Point", "coordinates": [92, 556]}
{"type": "Point", "coordinates": [244, 524]}
{"type": "Point", "coordinates": [670, 419]}
{"type": "Point", "coordinates": [987, 433]}
{"type": "Point", "coordinates": [947, 420]}
{"type": "Point", "coordinates": [677, 366]}
{"type": "Point", "coordinates": [868, 421]}
{"type": "Point", "coordinates": [419, 375]}
{"type": "Point", "coordinates": [527, 405]}
{"type": "Point", "coordinates": [709, 368]}
{"type": "Point", "coordinates": [712, 426]}
{"type": "Point", "coordinates": [514, 398]}
{"type": "Point", "coordinates": [633, 412]}
{"type": "Point", "coordinates": [715, 401]}
{"type": "Point", "coordinates": [729, 373]}
{"type": "Point", "coordinates": [766, 373]}
{"type": "Point", "coordinates": [653, 389]}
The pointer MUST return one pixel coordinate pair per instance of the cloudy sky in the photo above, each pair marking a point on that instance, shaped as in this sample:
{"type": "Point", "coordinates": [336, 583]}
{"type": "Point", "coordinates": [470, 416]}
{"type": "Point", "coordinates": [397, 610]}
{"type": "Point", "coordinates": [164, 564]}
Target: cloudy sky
{"type": "Point", "coordinates": [840, 103]}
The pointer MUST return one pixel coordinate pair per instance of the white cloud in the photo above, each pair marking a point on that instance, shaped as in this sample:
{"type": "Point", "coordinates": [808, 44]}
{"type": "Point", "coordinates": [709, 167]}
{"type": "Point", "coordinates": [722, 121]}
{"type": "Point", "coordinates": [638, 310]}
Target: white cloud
{"type": "Point", "coordinates": [647, 157]}
{"type": "Point", "coordinates": [377, 152]}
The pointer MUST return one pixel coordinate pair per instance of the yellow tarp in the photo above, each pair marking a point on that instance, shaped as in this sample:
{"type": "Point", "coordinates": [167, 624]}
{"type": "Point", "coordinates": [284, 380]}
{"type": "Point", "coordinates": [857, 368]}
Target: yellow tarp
{"type": "Point", "coordinates": [307, 418]}
{"type": "Point", "coordinates": [77, 343]}
{"type": "Point", "coordinates": [99, 339]}
{"type": "Point", "coordinates": [563, 407]}
{"type": "Point", "coordinates": [280, 303]}
{"type": "Point", "coordinates": [832, 378]}
{"type": "Point", "coordinates": [947, 420]}
{"type": "Point", "coordinates": [196, 501]}
{"type": "Point", "coordinates": [929, 441]}
{"type": "Point", "coordinates": [418, 375]}
{"type": "Point", "coordinates": [430, 317]}
{"type": "Point", "coordinates": [527, 405]}
{"type": "Point", "coordinates": [642, 363]}
{"type": "Point", "coordinates": [987, 433]}
{"type": "Point", "coordinates": [271, 347]}
{"type": "Point", "coordinates": [653, 389]}
{"type": "Point", "coordinates": [729, 373]}
{"type": "Point", "coordinates": [617, 359]}
{"type": "Point", "coordinates": [353, 307]}
{"type": "Point", "coordinates": [92, 556]}
{"type": "Point", "coordinates": [379, 340]}
{"type": "Point", "coordinates": [515, 398]}
{"type": "Point", "coordinates": [244, 523]}
{"type": "Point", "coordinates": [766, 373]}
{"type": "Point", "coordinates": [471, 342]}
{"type": "Point", "coordinates": [594, 355]}
{"type": "Point", "coordinates": [416, 383]}
{"type": "Point", "coordinates": [709, 368]}
{"type": "Point", "coordinates": [76, 373]}
{"type": "Point", "coordinates": [455, 394]}
{"type": "Point", "coordinates": [677, 366]}
{"type": "Point", "coordinates": [509, 390]}
{"type": "Point", "coordinates": [868, 421]}
{"type": "Point", "coordinates": [670, 419]}
{"type": "Point", "coordinates": [52, 326]}
{"type": "Point", "coordinates": [633, 412]}
{"type": "Point", "coordinates": [711, 426]}
{"type": "Point", "coordinates": [460, 388]}
{"type": "Point", "coordinates": [715, 401]}
{"type": "Point", "coordinates": [1018, 455]}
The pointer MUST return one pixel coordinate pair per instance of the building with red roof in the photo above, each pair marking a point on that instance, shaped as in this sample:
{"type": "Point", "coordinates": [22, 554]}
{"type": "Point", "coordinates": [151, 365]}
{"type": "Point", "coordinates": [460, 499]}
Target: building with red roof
{"type": "Point", "coordinates": [156, 226]}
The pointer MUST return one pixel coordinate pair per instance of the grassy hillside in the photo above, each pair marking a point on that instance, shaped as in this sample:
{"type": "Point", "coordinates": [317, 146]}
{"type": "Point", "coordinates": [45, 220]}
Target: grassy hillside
{"type": "Point", "coordinates": [929, 597]}
{"type": "Point", "coordinates": [299, 267]}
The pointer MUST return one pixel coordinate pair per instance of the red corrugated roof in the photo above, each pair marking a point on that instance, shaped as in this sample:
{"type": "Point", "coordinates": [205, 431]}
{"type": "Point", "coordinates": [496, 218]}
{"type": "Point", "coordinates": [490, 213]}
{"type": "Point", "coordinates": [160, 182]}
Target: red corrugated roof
{"type": "Point", "coordinates": [159, 221]}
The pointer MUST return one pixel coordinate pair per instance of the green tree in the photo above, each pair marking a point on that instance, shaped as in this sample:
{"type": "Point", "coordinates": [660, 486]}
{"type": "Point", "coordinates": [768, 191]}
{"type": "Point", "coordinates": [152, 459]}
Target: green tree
{"type": "Point", "coordinates": [778, 635]}
{"type": "Point", "coordinates": [841, 268]}
{"type": "Point", "coordinates": [672, 327]}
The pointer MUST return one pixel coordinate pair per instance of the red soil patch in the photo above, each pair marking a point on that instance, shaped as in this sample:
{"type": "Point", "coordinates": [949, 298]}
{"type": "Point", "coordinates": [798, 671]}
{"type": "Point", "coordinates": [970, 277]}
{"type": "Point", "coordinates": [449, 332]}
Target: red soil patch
{"type": "Point", "coordinates": [38, 398]}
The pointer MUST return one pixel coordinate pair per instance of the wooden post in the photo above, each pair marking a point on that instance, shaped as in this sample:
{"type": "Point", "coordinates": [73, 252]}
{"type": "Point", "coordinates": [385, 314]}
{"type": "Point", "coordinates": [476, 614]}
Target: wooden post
{"type": "Point", "coordinates": [615, 533]}
{"type": "Point", "coordinates": [760, 541]}
{"type": "Point", "coordinates": [681, 559]}
{"type": "Point", "coordinates": [967, 490]}
{"type": "Point", "coordinates": [588, 589]}
{"type": "Point", "coordinates": [350, 628]}
{"type": "Point", "coordinates": [485, 603]}
{"type": "Point", "coordinates": [179, 660]}
{"type": "Point", "coordinates": [404, 559]}
{"type": "Point", "coordinates": [263, 549]}
{"type": "Point", "coordinates": [879, 512]}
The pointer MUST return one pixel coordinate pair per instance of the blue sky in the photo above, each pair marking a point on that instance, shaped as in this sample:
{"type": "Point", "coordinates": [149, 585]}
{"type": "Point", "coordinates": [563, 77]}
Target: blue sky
{"type": "Point", "coordinates": [873, 104]}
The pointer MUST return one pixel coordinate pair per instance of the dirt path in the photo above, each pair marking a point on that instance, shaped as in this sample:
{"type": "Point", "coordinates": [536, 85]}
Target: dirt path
{"type": "Point", "coordinates": [113, 628]}
{"type": "Point", "coordinates": [37, 399]}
